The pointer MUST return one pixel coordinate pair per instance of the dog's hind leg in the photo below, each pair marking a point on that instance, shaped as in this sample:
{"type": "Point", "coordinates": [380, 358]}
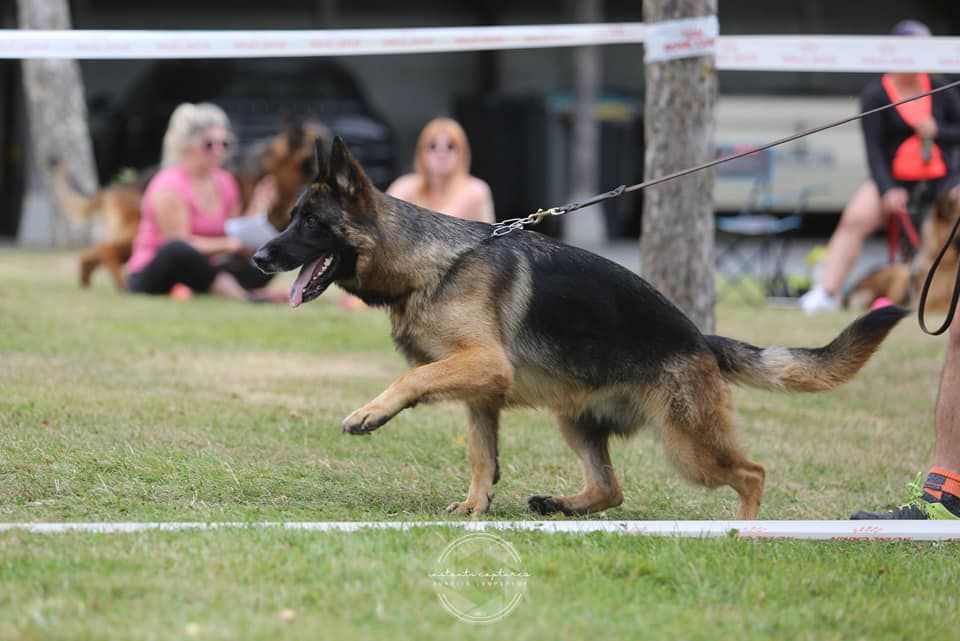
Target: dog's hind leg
{"type": "Point", "coordinates": [698, 438]}
{"type": "Point", "coordinates": [483, 426]}
{"type": "Point", "coordinates": [601, 489]}
{"type": "Point", "coordinates": [113, 256]}
{"type": "Point", "coordinates": [89, 261]}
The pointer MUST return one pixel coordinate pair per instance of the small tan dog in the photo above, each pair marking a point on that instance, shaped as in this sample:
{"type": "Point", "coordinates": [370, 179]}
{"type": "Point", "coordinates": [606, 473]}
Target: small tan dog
{"type": "Point", "coordinates": [902, 283]}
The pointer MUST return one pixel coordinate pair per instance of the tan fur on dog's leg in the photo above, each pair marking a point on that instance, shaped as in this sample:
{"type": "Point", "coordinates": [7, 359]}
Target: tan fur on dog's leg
{"type": "Point", "coordinates": [482, 437]}
{"type": "Point", "coordinates": [89, 261]}
{"type": "Point", "coordinates": [113, 257]}
{"type": "Point", "coordinates": [712, 464]}
{"type": "Point", "coordinates": [480, 373]}
{"type": "Point", "coordinates": [601, 489]}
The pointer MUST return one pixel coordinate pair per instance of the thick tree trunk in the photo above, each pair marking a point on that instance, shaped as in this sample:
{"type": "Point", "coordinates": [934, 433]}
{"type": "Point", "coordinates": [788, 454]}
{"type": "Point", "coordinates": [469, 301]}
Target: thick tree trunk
{"type": "Point", "coordinates": [677, 242]}
{"type": "Point", "coordinates": [58, 121]}
{"type": "Point", "coordinates": [588, 227]}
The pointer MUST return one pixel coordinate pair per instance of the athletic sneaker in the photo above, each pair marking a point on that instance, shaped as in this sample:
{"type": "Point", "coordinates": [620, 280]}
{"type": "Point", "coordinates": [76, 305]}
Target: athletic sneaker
{"type": "Point", "coordinates": [818, 300]}
{"type": "Point", "coordinates": [920, 505]}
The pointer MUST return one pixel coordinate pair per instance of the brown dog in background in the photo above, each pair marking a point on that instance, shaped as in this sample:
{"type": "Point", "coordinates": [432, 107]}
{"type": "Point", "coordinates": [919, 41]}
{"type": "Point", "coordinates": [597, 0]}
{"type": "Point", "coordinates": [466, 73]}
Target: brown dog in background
{"type": "Point", "coordinates": [902, 283]}
{"type": "Point", "coordinates": [287, 157]}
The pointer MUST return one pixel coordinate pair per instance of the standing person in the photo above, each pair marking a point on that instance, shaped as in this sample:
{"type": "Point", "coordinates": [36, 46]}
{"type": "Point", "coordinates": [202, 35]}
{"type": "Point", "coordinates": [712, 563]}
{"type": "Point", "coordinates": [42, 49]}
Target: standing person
{"type": "Point", "coordinates": [939, 496]}
{"type": "Point", "coordinates": [181, 240]}
{"type": "Point", "coordinates": [906, 146]}
{"type": "Point", "coordinates": [441, 181]}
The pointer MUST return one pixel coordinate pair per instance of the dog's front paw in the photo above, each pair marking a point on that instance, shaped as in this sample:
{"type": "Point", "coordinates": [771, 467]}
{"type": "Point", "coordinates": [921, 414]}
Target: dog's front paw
{"type": "Point", "coordinates": [365, 420]}
{"type": "Point", "coordinates": [546, 504]}
{"type": "Point", "coordinates": [474, 506]}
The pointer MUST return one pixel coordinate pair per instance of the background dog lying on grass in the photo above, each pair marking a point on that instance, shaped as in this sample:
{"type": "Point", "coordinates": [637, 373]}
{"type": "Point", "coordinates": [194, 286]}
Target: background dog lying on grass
{"type": "Point", "coordinates": [287, 157]}
{"type": "Point", "coordinates": [902, 283]}
{"type": "Point", "coordinates": [524, 320]}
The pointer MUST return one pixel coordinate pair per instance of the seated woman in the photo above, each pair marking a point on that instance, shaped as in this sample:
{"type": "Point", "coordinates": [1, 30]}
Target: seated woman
{"type": "Point", "coordinates": [442, 180]}
{"type": "Point", "coordinates": [906, 146]}
{"type": "Point", "coordinates": [181, 238]}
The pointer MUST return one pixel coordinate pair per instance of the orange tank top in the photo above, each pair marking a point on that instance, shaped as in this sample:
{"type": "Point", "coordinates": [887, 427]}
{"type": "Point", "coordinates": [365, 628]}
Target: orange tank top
{"type": "Point", "coordinates": [908, 161]}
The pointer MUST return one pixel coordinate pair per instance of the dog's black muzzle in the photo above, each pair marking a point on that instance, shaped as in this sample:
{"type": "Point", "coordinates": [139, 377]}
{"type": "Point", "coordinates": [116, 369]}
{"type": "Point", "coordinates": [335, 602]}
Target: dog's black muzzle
{"type": "Point", "coordinates": [265, 260]}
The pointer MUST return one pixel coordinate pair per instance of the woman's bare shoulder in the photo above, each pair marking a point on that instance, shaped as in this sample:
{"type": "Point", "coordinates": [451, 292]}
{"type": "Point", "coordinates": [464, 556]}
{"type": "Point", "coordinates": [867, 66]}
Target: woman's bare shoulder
{"type": "Point", "coordinates": [404, 187]}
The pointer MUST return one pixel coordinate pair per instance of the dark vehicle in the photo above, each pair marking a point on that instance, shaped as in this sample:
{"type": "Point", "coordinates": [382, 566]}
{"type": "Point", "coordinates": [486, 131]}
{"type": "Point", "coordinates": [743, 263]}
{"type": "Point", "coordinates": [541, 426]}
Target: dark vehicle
{"type": "Point", "coordinates": [257, 94]}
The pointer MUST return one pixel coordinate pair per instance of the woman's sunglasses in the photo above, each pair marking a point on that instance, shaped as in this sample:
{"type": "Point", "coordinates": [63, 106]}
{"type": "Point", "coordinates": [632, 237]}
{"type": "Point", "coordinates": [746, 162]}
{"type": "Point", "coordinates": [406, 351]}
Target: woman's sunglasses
{"type": "Point", "coordinates": [210, 143]}
{"type": "Point", "coordinates": [433, 146]}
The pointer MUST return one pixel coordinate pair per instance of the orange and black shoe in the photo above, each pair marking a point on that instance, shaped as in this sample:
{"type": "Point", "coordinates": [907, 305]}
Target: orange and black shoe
{"type": "Point", "coordinates": [937, 499]}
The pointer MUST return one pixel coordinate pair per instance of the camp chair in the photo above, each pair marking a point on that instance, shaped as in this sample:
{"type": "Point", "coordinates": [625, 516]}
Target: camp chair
{"type": "Point", "coordinates": [753, 244]}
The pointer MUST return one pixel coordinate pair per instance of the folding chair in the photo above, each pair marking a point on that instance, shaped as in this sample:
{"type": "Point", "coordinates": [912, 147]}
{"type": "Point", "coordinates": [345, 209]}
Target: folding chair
{"type": "Point", "coordinates": [753, 243]}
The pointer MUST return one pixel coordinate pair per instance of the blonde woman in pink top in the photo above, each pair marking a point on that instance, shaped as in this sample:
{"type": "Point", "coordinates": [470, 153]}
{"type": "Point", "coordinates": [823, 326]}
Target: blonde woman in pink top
{"type": "Point", "coordinates": [181, 238]}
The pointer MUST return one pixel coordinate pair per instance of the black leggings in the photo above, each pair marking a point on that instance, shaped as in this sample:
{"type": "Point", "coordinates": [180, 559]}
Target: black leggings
{"type": "Point", "coordinates": [179, 262]}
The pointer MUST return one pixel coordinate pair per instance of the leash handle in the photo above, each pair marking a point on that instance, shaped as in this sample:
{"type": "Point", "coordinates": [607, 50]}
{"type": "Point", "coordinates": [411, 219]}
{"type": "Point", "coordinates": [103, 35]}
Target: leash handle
{"type": "Point", "coordinates": [921, 315]}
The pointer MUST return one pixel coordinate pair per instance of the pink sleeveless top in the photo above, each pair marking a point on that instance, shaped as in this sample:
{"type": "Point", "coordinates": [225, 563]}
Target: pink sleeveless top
{"type": "Point", "coordinates": [149, 239]}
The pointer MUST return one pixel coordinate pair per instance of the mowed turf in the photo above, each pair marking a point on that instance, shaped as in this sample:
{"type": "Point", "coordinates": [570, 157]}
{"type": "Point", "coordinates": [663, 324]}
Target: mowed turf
{"type": "Point", "coordinates": [115, 407]}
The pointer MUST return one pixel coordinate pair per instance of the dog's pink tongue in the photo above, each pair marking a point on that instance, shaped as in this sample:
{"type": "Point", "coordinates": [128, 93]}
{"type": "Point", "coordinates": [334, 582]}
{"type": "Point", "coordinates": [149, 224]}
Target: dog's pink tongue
{"type": "Point", "coordinates": [296, 292]}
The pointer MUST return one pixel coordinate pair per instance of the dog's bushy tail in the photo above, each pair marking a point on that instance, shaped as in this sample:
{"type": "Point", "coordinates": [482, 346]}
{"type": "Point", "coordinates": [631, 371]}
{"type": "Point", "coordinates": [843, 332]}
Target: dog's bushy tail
{"type": "Point", "coordinates": [806, 369]}
{"type": "Point", "coordinates": [78, 206]}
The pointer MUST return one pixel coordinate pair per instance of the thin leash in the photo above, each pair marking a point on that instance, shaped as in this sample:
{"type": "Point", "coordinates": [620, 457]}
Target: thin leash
{"type": "Point", "coordinates": [504, 227]}
{"type": "Point", "coordinates": [921, 312]}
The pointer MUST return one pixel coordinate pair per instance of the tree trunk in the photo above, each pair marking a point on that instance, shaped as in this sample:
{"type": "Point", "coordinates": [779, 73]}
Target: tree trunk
{"type": "Point", "coordinates": [58, 121]}
{"type": "Point", "coordinates": [588, 226]}
{"type": "Point", "coordinates": [677, 242]}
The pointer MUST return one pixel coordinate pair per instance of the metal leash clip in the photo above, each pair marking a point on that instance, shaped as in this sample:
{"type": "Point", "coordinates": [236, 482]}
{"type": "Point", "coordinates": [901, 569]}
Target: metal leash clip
{"type": "Point", "coordinates": [504, 227]}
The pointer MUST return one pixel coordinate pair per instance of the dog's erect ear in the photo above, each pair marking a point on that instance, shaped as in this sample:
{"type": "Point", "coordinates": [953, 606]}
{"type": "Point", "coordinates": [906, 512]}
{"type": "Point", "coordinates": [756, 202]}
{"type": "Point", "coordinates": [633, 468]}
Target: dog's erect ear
{"type": "Point", "coordinates": [346, 174]}
{"type": "Point", "coordinates": [320, 155]}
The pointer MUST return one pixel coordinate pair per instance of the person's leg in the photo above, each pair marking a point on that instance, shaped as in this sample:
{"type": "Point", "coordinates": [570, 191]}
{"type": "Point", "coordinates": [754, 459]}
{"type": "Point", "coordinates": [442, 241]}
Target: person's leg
{"type": "Point", "coordinates": [946, 451]}
{"type": "Point", "coordinates": [247, 274]}
{"type": "Point", "coordinates": [179, 262]}
{"type": "Point", "coordinates": [939, 498]}
{"type": "Point", "coordinates": [254, 281]}
{"type": "Point", "coordinates": [862, 216]}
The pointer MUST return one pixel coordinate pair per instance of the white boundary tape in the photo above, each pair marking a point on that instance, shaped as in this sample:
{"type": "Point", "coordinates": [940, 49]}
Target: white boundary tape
{"type": "Point", "coordinates": [103, 44]}
{"type": "Point", "coordinates": [746, 53]}
{"type": "Point", "coordinates": [776, 530]}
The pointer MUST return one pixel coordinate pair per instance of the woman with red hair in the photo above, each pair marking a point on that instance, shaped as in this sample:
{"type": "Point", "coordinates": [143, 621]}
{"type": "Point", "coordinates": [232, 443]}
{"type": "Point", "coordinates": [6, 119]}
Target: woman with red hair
{"type": "Point", "coordinates": [442, 180]}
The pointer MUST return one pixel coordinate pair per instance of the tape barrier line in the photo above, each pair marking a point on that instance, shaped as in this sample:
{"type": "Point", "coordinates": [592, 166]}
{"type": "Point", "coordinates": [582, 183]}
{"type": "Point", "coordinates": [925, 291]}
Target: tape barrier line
{"type": "Point", "coordinates": [776, 530]}
{"type": "Point", "coordinates": [747, 53]}
{"type": "Point", "coordinates": [675, 39]}
{"type": "Point", "coordinates": [838, 53]}
{"type": "Point", "coordinates": [103, 44]}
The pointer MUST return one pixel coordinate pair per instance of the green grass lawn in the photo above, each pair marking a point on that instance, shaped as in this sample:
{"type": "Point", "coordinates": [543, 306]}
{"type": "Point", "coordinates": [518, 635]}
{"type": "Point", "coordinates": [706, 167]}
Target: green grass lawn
{"type": "Point", "coordinates": [133, 408]}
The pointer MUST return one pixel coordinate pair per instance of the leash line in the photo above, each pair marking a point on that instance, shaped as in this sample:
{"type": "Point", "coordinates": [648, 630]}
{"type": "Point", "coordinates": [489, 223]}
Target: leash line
{"type": "Point", "coordinates": [921, 313]}
{"type": "Point", "coordinates": [506, 226]}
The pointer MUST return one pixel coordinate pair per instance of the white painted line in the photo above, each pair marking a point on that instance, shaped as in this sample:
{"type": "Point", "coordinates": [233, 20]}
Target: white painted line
{"type": "Point", "coordinates": [786, 530]}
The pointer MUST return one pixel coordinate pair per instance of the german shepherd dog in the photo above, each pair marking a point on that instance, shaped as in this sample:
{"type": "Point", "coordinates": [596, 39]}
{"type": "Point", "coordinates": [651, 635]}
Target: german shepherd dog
{"type": "Point", "coordinates": [524, 320]}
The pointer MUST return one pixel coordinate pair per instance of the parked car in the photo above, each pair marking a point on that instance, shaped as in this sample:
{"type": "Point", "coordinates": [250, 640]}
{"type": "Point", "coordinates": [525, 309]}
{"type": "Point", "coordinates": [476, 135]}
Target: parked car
{"type": "Point", "coordinates": [257, 94]}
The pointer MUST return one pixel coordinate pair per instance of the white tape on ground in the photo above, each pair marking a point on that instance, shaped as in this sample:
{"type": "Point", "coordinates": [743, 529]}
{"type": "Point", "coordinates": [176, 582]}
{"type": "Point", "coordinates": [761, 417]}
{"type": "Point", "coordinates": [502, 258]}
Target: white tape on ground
{"type": "Point", "coordinates": [785, 530]}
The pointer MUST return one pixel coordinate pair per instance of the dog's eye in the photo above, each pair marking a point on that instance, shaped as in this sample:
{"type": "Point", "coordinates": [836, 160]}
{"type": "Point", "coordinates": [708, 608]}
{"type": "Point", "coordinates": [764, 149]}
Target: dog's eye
{"type": "Point", "coordinates": [310, 220]}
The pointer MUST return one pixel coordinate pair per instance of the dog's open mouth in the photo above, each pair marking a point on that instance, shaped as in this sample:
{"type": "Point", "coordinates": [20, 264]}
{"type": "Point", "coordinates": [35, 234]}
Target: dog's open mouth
{"type": "Point", "coordinates": [313, 279]}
